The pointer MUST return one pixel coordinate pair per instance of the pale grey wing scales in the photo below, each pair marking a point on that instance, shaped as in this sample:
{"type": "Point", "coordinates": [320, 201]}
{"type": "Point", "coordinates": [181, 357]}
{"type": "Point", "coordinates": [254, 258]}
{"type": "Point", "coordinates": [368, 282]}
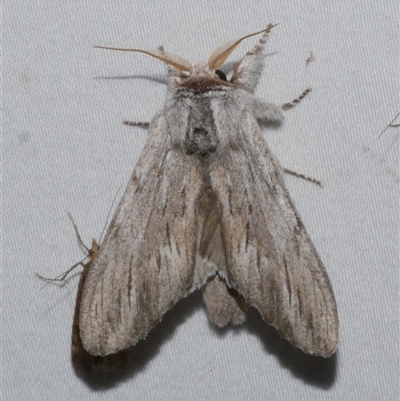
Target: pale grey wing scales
{"type": "Point", "coordinates": [146, 261]}
{"type": "Point", "coordinates": [271, 260]}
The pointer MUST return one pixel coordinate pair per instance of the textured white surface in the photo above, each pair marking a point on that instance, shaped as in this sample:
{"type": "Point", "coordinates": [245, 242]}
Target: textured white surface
{"type": "Point", "coordinates": [65, 149]}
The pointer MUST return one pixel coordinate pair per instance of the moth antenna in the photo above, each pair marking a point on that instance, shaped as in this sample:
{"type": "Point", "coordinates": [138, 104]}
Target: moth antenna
{"type": "Point", "coordinates": [219, 55]}
{"type": "Point", "coordinates": [90, 254]}
{"type": "Point", "coordinates": [172, 59]}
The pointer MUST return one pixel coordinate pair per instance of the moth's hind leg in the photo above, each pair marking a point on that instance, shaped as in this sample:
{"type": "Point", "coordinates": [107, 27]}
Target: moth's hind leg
{"type": "Point", "coordinates": [293, 103]}
{"type": "Point", "coordinates": [303, 177]}
{"type": "Point", "coordinates": [141, 124]}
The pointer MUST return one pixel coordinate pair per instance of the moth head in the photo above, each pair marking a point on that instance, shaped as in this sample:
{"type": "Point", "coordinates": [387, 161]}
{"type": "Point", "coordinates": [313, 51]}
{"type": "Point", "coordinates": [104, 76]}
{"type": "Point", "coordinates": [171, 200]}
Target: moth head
{"type": "Point", "coordinates": [210, 69]}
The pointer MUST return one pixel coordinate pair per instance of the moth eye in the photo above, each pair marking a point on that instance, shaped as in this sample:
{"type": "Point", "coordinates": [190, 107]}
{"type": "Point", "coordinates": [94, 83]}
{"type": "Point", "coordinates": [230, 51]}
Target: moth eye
{"type": "Point", "coordinates": [221, 74]}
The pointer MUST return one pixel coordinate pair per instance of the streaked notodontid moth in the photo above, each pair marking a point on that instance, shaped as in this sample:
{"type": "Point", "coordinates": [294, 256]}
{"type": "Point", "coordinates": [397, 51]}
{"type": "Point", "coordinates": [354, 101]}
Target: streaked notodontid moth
{"type": "Point", "coordinates": [206, 207]}
{"type": "Point", "coordinates": [81, 359]}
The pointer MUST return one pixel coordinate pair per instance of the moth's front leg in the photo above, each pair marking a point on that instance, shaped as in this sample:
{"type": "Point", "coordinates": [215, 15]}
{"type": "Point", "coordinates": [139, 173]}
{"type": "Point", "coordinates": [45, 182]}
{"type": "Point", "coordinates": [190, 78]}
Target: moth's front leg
{"type": "Point", "coordinates": [293, 103]}
{"type": "Point", "coordinates": [263, 110]}
{"type": "Point", "coordinates": [247, 71]}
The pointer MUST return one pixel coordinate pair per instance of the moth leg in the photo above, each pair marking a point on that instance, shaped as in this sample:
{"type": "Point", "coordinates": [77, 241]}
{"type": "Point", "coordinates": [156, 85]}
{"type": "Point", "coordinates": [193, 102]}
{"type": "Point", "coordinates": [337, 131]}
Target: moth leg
{"type": "Point", "coordinates": [263, 110]}
{"type": "Point", "coordinates": [302, 176]}
{"type": "Point", "coordinates": [64, 275]}
{"type": "Point", "coordinates": [247, 71]}
{"type": "Point", "coordinates": [293, 103]}
{"type": "Point", "coordinates": [141, 124]}
{"type": "Point", "coordinates": [291, 172]}
{"type": "Point", "coordinates": [224, 305]}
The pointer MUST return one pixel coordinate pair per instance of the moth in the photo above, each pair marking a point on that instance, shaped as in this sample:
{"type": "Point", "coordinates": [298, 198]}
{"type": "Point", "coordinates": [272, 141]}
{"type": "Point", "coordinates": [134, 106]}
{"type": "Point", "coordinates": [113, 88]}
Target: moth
{"type": "Point", "coordinates": [207, 207]}
{"type": "Point", "coordinates": [82, 361]}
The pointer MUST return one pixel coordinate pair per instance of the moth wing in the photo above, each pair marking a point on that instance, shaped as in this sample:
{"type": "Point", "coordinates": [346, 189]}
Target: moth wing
{"type": "Point", "coordinates": [271, 260]}
{"type": "Point", "coordinates": [81, 359]}
{"type": "Point", "coordinates": [145, 263]}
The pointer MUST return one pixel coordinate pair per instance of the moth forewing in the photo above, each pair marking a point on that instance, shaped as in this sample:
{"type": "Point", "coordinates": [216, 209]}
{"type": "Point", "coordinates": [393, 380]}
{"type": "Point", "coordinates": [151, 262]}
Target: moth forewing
{"type": "Point", "coordinates": [207, 206]}
{"type": "Point", "coordinates": [150, 248]}
{"type": "Point", "coordinates": [82, 360]}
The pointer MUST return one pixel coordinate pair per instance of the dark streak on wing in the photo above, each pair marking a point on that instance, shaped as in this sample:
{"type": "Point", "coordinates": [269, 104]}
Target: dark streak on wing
{"type": "Point", "coordinates": [183, 195]}
{"type": "Point", "coordinates": [287, 281]}
{"type": "Point", "coordinates": [119, 303]}
{"type": "Point", "coordinates": [130, 286]}
{"type": "Point", "coordinates": [168, 237]}
{"type": "Point", "coordinates": [230, 199]}
{"type": "Point", "coordinates": [300, 303]}
{"type": "Point", "coordinates": [247, 234]}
